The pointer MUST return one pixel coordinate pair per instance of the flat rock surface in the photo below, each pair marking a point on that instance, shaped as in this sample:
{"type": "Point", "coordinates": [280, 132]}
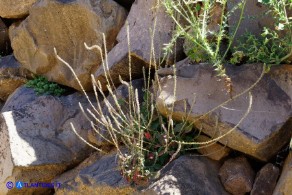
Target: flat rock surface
{"type": "Point", "coordinates": [265, 129]}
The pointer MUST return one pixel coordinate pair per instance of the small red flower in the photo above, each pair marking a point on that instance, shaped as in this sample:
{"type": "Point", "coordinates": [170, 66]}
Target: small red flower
{"type": "Point", "coordinates": [147, 135]}
{"type": "Point", "coordinates": [151, 156]}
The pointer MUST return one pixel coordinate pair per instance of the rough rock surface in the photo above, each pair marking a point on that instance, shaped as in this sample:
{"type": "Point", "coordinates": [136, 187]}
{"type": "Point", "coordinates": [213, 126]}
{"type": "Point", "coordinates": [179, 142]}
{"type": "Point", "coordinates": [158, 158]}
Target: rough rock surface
{"type": "Point", "coordinates": [12, 75]}
{"type": "Point", "coordinates": [141, 21]}
{"type": "Point", "coordinates": [284, 184]}
{"type": "Point", "coordinates": [66, 25]}
{"type": "Point", "coordinates": [214, 151]}
{"type": "Point", "coordinates": [266, 128]}
{"type": "Point", "coordinates": [37, 142]}
{"type": "Point", "coordinates": [237, 176]}
{"type": "Point", "coordinates": [4, 39]}
{"type": "Point", "coordinates": [94, 176]}
{"type": "Point", "coordinates": [189, 175]}
{"type": "Point", "coordinates": [15, 9]}
{"type": "Point", "coordinates": [266, 180]}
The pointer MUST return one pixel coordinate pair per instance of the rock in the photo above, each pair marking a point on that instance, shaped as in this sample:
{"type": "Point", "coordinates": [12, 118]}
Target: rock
{"type": "Point", "coordinates": [98, 175]}
{"type": "Point", "coordinates": [284, 184]}
{"type": "Point", "coordinates": [12, 75]}
{"type": "Point", "coordinates": [266, 180]}
{"type": "Point", "coordinates": [214, 151]}
{"type": "Point", "coordinates": [15, 9]}
{"type": "Point", "coordinates": [189, 175]}
{"type": "Point", "coordinates": [237, 176]}
{"type": "Point", "coordinates": [37, 142]}
{"type": "Point", "coordinates": [259, 135]}
{"type": "Point", "coordinates": [66, 25]}
{"type": "Point", "coordinates": [5, 47]}
{"type": "Point", "coordinates": [283, 77]}
{"type": "Point", "coordinates": [141, 26]}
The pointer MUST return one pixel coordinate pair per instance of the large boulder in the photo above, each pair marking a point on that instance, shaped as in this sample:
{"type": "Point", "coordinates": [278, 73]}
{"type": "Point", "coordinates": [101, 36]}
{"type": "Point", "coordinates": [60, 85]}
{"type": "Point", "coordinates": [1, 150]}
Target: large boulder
{"type": "Point", "coordinates": [66, 26]}
{"type": "Point", "coordinates": [261, 134]}
{"type": "Point", "coordinates": [284, 184]}
{"type": "Point", "coordinates": [37, 142]}
{"type": "Point", "coordinates": [5, 47]}
{"type": "Point", "coordinates": [149, 25]}
{"type": "Point", "coordinates": [12, 75]}
{"type": "Point", "coordinates": [15, 9]}
{"type": "Point", "coordinates": [189, 175]}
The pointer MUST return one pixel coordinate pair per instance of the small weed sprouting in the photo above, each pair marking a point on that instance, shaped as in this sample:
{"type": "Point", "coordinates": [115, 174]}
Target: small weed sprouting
{"type": "Point", "coordinates": [42, 86]}
{"type": "Point", "coordinates": [274, 46]}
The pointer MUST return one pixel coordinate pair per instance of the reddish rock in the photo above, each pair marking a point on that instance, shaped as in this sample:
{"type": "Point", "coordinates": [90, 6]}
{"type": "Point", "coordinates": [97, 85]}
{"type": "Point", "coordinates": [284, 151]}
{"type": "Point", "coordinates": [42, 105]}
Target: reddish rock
{"type": "Point", "coordinates": [266, 180]}
{"type": "Point", "coordinates": [237, 176]}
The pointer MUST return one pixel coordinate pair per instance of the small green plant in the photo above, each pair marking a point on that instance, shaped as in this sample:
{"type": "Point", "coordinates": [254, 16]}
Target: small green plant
{"type": "Point", "coordinates": [274, 46]}
{"type": "Point", "coordinates": [196, 23]}
{"type": "Point", "coordinates": [42, 86]}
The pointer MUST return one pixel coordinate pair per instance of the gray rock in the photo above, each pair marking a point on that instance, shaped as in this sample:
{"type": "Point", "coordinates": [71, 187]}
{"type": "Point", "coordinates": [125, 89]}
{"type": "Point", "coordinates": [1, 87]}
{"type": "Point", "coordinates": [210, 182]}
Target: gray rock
{"type": "Point", "coordinates": [189, 175]}
{"type": "Point", "coordinates": [37, 140]}
{"type": "Point", "coordinates": [96, 175]}
{"type": "Point", "coordinates": [237, 176]}
{"type": "Point", "coordinates": [266, 180]}
{"type": "Point", "coordinates": [12, 75]}
{"type": "Point", "coordinates": [265, 130]}
{"type": "Point", "coordinates": [66, 26]}
{"type": "Point", "coordinates": [141, 27]}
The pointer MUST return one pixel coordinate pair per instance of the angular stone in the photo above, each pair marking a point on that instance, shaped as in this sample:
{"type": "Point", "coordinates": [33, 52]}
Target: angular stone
{"type": "Point", "coordinates": [265, 129]}
{"type": "Point", "coordinates": [96, 175]}
{"type": "Point", "coordinates": [214, 151]}
{"type": "Point", "coordinates": [37, 141]}
{"type": "Point", "coordinates": [237, 176]}
{"type": "Point", "coordinates": [189, 175]}
{"type": "Point", "coordinates": [141, 28]}
{"type": "Point", "coordinates": [15, 9]}
{"type": "Point", "coordinates": [266, 180]}
{"type": "Point", "coordinates": [66, 26]}
{"type": "Point", "coordinates": [284, 184]}
{"type": "Point", "coordinates": [283, 77]}
{"type": "Point", "coordinates": [5, 47]}
{"type": "Point", "coordinates": [12, 75]}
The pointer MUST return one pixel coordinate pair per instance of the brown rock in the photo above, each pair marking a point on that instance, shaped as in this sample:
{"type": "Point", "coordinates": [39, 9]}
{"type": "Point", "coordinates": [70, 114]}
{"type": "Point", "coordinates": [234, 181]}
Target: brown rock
{"type": "Point", "coordinates": [12, 75]}
{"type": "Point", "coordinates": [141, 27]}
{"type": "Point", "coordinates": [284, 185]}
{"type": "Point", "coordinates": [237, 176]}
{"type": "Point", "coordinates": [267, 126]}
{"type": "Point", "coordinates": [66, 25]}
{"type": "Point", "coordinates": [15, 9]}
{"type": "Point", "coordinates": [214, 151]}
{"type": "Point", "coordinates": [266, 180]}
